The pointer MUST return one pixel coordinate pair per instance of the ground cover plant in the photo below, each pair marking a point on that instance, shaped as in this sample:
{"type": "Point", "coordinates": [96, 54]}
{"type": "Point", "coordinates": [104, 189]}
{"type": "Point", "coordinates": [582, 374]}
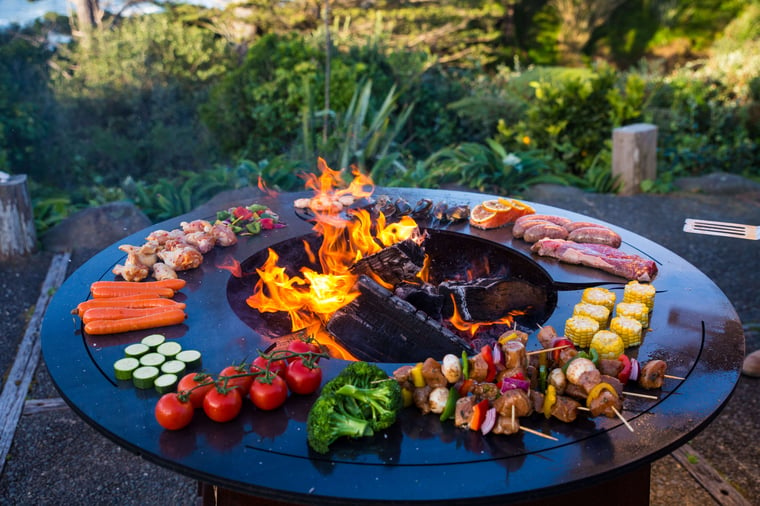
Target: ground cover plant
{"type": "Point", "coordinates": [168, 109]}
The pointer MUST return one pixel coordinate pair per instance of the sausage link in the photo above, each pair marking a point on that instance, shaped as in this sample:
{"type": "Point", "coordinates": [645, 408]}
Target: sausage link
{"type": "Point", "coordinates": [544, 231]}
{"type": "Point", "coordinates": [581, 224]}
{"type": "Point", "coordinates": [595, 235]}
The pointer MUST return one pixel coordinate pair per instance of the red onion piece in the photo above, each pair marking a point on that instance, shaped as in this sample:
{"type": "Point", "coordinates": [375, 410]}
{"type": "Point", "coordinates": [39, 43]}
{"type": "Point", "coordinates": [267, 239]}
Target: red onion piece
{"type": "Point", "coordinates": [635, 369]}
{"type": "Point", "coordinates": [489, 422]}
{"type": "Point", "coordinates": [498, 355]}
{"type": "Point", "coordinates": [514, 383]}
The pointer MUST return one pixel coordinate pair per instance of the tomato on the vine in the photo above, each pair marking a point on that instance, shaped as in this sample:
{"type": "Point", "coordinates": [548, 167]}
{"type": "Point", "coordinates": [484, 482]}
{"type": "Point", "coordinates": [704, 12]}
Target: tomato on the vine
{"type": "Point", "coordinates": [173, 412]}
{"type": "Point", "coordinates": [303, 378]}
{"type": "Point", "coordinates": [277, 367]}
{"type": "Point", "coordinates": [243, 383]}
{"type": "Point", "coordinates": [198, 385]}
{"type": "Point", "coordinates": [301, 346]}
{"type": "Point", "coordinates": [222, 405]}
{"type": "Point", "coordinates": [268, 393]}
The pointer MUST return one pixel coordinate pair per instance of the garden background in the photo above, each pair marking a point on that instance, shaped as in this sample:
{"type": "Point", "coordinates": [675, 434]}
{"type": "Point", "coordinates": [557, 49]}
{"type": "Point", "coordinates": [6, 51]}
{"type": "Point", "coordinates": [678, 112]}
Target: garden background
{"type": "Point", "coordinates": [167, 109]}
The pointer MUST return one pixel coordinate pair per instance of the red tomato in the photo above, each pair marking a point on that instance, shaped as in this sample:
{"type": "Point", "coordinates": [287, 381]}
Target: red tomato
{"type": "Point", "coordinates": [302, 379]}
{"type": "Point", "coordinates": [190, 381]}
{"type": "Point", "coordinates": [300, 346]}
{"type": "Point", "coordinates": [277, 367]}
{"type": "Point", "coordinates": [172, 413]}
{"type": "Point", "coordinates": [222, 406]}
{"type": "Point", "coordinates": [242, 383]}
{"type": "Point", "coordinates": [268, 396]}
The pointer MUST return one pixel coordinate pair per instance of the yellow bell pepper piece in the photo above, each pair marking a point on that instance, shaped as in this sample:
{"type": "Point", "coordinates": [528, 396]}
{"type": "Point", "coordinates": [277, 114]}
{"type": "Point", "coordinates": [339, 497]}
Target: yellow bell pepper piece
{"type": "Point", "coordinates": [550, 399]}
{"type": "Point", "coordinates": [417, 379]}
{"type": "Point", "coordinates": [598, 389]}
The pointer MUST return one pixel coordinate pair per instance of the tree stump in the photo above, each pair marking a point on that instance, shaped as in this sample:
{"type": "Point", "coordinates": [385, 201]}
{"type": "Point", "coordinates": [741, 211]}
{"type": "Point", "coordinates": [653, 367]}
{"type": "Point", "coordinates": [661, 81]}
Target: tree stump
{"type": "Point", "coordinates": [634, 156]}
{"type": "Point", "coordinates": [17, 233]}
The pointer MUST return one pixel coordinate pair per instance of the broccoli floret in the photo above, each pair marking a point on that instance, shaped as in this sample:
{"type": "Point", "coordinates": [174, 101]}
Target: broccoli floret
{"type": "Point", "coordinates": [329, 420]}
{"type": "Point", "coordinates": [360, 400]}
{"type": "Point", "coordinates": [383, 401]}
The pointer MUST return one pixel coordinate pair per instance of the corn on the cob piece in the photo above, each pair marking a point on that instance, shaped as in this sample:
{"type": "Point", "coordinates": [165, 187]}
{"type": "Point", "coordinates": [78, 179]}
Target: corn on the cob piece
{"type": "Point", "coordinates": [639, 292]}
{"type": "Point", "coordinates": [607, 344]}
{"type": "Point", "coordinates": [599, 313]}
{"type": "Point", "coordinates": [636, 310]}
{"type": "Point", "coordinates": [600, 296]}
{"type": "Point", "coordinates": [628, 329]}
{"type": "Point", "coordinates": [580, 330]}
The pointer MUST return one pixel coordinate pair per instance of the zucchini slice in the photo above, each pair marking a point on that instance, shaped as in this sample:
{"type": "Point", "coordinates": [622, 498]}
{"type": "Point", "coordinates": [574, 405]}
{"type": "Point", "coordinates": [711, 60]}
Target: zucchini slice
{"type": "Point", "coordinates": [143, 377]}
{"type": "Point", "coordinates": [124, 367]}
{"type": "Point", "coordinates": [190, 357]}
{"type": "Point", "coordinates": [153, 341]}
{"type": "Point", "coordinates": [165, 383]}
{"type": "Point", "coordinates": [169, 349]}
{"type": "Point", "coordinates": [177, 367]}
{"type": "Point", "coordinates": [152, 359]}
{"type": "Point", "coordinates": [136, 350]}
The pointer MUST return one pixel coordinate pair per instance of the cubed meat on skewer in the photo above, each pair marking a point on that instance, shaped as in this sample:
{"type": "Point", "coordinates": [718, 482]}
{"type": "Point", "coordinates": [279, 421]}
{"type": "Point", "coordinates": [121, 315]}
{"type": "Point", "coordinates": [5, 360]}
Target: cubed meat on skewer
{"type": "Point", "coordinates": [421, 398]}
{"type": "Point", "coordinates": [517, 398]}
{"type": "Point", "coordinates": [431, 371]}
{"type": "Point", "coordinates": [604, 403]}
{"type": "Point", "coordinates": [652, 374]}
{"type": "Point", "coordinates": [463, 411]}
{"type": "Point", "coordinates": [505, 425]}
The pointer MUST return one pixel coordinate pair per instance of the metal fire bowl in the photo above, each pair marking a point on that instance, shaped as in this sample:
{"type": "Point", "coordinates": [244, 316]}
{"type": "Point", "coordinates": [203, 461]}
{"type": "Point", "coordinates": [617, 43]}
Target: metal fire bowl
{"type": "Point", "coordinates": [420, 459]}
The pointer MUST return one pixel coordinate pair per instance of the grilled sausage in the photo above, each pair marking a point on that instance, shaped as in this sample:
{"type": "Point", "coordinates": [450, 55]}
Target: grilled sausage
{"type": "Point", "coordinates": [581, 224]}
{"type": "Point", "coordinates": [595, 235]}
{"type": "Point", "coordinates": [544, 231]}
{"type": "Point", "coordinates": [521, 223]}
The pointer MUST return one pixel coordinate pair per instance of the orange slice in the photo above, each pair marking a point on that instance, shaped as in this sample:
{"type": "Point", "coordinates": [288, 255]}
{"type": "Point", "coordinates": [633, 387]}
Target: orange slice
{"type": "Point", "coordinates": [480, 217]}
{"type": "Point", "coordinates": [498, 205]}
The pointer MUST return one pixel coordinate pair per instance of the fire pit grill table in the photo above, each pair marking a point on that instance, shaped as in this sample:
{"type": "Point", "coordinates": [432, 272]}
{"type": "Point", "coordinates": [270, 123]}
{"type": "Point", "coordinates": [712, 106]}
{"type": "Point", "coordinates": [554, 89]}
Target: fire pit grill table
{"type": "Point", "coordinates": [420, 459]}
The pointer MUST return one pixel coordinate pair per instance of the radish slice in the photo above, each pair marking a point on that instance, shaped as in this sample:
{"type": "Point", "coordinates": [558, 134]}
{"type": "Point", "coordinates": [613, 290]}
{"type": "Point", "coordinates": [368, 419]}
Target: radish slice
{"type": "Point", "coordinates": [489, 422]}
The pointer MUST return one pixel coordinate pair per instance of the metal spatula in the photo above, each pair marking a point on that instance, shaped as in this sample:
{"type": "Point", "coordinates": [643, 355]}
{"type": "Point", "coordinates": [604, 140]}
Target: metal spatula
{"type": "Point", "coordinates": [722, 228]}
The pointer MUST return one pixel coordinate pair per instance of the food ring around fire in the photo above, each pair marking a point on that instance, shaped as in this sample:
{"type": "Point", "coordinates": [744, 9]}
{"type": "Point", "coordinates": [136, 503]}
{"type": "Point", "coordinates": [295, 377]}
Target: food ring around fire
{"type": "Point", "coordinates": [225, 331]}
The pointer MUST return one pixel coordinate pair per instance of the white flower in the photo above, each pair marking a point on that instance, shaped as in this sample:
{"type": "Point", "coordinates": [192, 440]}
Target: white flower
{"type": "Point", "coordinates": [511, 159]}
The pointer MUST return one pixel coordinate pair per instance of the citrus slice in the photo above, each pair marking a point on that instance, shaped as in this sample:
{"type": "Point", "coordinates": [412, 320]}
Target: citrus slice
{"type": "Point", "coordinates": [497, 205]}
{"type": "Point", "coordinates": [480, 217]}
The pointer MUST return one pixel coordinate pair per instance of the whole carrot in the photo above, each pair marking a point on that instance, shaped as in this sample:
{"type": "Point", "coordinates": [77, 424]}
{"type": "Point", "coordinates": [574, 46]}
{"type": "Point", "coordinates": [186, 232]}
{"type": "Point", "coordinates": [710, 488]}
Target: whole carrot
{"type": "Point", "coordinates": [166, 318]}
{"type": "Point", "coordinates": [127, 302]}
{"type": "Point", "coordinates": [119, 313]}
{"type": "Point", "coordinates": [121, 291]}
{"type": "Point", "coordinates": [174, 284]}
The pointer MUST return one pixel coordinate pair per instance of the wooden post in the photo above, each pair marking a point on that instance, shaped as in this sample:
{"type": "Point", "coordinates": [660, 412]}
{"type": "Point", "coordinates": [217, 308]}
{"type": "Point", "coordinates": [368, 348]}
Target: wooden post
{"type": "Point", "coordinates": [634, 156]}
{"type": "Point", "coordinates": [17, 234]}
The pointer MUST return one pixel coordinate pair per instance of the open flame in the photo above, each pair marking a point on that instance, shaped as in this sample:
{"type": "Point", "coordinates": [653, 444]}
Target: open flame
{"type": "Point", "coordinates": [472, 327]}
{"type": "Point", "coordinates": [312, 297]}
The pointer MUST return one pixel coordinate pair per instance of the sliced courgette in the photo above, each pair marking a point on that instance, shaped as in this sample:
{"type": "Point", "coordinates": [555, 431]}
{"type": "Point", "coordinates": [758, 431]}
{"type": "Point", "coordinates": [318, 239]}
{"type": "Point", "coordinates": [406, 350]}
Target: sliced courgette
{"type": "Point", "coordinates": [153, 341]}
{"type": "Point", "coordinates": [190, 357]}
{"type": "Point", "coordinates": [165, 383]}
{"type": "Point", "coordinates": [124, 367]}
{"type": "Point", "coordinates": [173, 367]}
{"type": "Point", "coordinates": [152, 359]}
{"type": "Point", "coordinates": [169, 349]}
{"type": "Point", "coordinates": [143, 377]}
{"type": "Point", "coordinates": [136, 350]}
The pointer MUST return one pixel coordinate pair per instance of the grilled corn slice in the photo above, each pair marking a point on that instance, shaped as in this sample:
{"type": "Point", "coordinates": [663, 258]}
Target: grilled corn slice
{"type": "Point", "coordinates": [636, 310]}
{"type": "Point", "coordinates": [607, 344]}
{"type": "Point", "coordinates": [628, 329]}
{"type": "Point", "coordinates": [599, 313]}
{"type": "Point", "coordinates": [639, 292]}
{"type": "Point", "coordinates": [599, 296]}
{"type": "Point", "coordinates": [580, 330]}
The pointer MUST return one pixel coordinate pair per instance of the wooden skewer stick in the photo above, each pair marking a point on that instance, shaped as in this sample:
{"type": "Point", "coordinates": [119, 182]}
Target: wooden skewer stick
{"type": "Point", "coordinates": [544, 350]}
{"type": "Point", "coordinates": [644, 396]}
{"type": "Point", "coordinates": [674, 377]}
{"type": "Point", "coordinates": [536, 433]}
{"type": "Point", "coordinates": [581, 408]}
{"type": "Point", "coordinates": [622, 419]}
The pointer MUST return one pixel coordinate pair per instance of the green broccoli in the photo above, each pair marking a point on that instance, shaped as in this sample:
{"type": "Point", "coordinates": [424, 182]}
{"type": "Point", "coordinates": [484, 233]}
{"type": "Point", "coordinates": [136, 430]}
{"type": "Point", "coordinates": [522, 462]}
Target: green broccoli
{"type": "Point", "coordinates": [328, 420]}
{"type": "Point", "coordinates": [361, 393]}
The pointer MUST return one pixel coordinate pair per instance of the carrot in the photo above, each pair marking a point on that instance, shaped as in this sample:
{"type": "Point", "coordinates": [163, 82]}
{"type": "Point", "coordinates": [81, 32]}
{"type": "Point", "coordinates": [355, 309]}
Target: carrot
{"type": "Point", "coordinates": [166, 318]}
{"type": "Point", "coordinates": [174, 284]}
{"type": "Point", "coordinates": [127, 302]}
{"type": "Point", "coordinates": [119, 313]}
{"type": "Point", "coordinates": [119, 291]}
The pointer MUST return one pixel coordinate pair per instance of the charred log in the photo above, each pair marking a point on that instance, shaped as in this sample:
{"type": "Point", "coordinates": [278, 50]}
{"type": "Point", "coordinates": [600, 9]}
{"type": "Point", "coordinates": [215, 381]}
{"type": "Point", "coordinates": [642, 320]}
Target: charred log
{"type": "Point", "coordinates": [424, 297]}
{"type": "Point", "coordinates": [393, 264]}
{"type": "Point", "coordinates": [488, 299]}
{"type": "Point", "coordinates": [380, 327]}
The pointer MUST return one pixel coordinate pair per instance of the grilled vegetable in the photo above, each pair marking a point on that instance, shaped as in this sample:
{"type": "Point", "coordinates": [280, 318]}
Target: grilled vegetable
{"type": "Point", "coordinates": [628, 329]}
{"type": "Point", "coordinates": [607, 344]}
{"type": "Point", "coordinates": [596, 311]}
{"type": "Point", "coordinates": [636, 310]}
{"type": "Point", "coordinates": [580, 330]}
{"type": "Point", "coordinates": [329, 419]}
{"type": "Point", "coordinates": [600, 296]}
{"type": "Point", "coordinates": [639, 292]}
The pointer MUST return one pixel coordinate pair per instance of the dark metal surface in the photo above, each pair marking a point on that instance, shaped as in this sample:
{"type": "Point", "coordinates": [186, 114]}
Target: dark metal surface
{"type": "Point", "coordinates": [694, 328]}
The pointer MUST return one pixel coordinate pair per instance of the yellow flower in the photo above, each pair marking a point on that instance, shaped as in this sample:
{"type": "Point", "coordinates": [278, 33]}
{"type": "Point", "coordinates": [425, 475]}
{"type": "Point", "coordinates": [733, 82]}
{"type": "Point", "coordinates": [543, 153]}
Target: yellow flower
{"type": "Point", "coordinates": [526, 139]}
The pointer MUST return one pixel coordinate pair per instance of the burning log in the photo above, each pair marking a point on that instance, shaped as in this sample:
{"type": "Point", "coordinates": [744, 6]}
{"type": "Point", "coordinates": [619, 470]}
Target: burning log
{"type": "Point", "coordinates": [393, 264]}
{"type": "Point", "coordinates": [487, 299]}
{"type": "Point", "coordinates": [380, 327]}
{"type": "Point", "coordinates": [424, 297]}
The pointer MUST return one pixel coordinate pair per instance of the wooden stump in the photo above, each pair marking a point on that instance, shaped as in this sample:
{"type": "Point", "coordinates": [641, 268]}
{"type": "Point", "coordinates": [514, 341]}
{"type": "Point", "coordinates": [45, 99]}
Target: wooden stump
{"type": "Point", "coordinates": [634, 156]}
{"type": "Point", "coordinates": [17, 233]}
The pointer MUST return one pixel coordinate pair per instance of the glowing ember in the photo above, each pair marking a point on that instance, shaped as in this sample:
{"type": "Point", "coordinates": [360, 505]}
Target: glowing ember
{"type": "Point", "coordinates": [473, 327]}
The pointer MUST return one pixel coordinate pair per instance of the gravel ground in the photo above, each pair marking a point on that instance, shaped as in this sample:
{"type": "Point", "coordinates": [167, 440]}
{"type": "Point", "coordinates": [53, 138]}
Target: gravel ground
{"type": "Point", "coordinates": [58, 459]}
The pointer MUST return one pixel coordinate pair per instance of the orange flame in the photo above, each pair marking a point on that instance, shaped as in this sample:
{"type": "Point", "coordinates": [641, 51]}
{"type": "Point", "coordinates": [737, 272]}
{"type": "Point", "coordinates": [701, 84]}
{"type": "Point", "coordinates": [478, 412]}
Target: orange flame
{"type": "Point", "coordinates": [232, 265]}
{"type": "Point", "coordinates": [313, 297]}
{"type": "Point", "coordinates": [473, 327]}
{"type": "Point", "coordinates": [264, 188]}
